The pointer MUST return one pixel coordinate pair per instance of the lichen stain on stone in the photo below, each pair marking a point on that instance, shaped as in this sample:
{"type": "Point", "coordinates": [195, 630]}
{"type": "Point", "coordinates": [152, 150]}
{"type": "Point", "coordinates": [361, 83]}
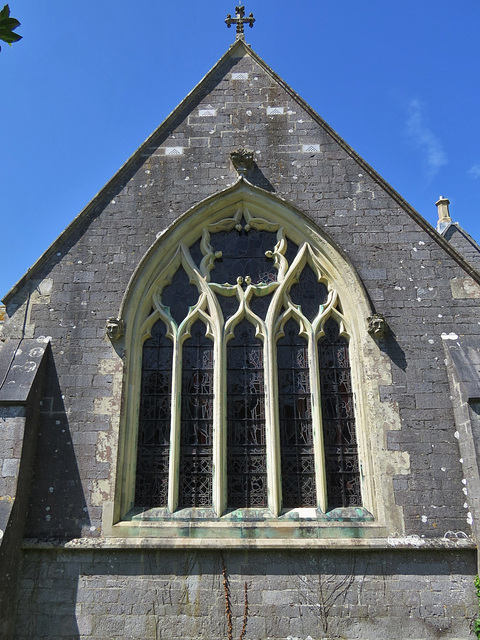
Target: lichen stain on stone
{"type": "Point", "coordinates": [464, 288]}
{"type": "Point", "coordinates": [110, 365]}
{"type": "Point", "coordinates": [105, 448]}
{"type": "Point", "coordinates": [101, 492]}
{"type": "Point", "coordinates": [106, 406]}
{"type": "Point", "coordinates": [8, 499]}
{"type": "Point", "coordinates": [189, 603]}
{"type": "Point", "coordinates": [110, 405]}
{"type": "Point", "coordinates": [399, 463]}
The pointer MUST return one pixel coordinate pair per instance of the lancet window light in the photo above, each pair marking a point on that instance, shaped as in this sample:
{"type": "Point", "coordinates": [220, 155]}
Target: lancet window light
{"type": "Point", "coordinates": [246, 397]}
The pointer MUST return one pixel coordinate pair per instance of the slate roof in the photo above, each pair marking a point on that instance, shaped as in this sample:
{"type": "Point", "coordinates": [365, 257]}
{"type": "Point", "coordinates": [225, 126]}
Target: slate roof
{"type": "Point", "coordinates": [463, 243]}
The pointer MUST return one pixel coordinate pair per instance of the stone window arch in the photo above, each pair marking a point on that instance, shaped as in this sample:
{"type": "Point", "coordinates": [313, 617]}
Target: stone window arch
{"type": "Point", "coordinates": [254, 318]}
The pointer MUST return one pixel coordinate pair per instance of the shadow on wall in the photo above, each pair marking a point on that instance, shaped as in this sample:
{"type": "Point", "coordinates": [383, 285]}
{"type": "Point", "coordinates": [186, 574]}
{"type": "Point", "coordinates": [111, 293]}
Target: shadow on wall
{"type": "Point", "coordinates": [184, 595]}
{"type": "Point", "coordinates": [393, 350]}
{"type": "Point", "coordinates": [57, 508]}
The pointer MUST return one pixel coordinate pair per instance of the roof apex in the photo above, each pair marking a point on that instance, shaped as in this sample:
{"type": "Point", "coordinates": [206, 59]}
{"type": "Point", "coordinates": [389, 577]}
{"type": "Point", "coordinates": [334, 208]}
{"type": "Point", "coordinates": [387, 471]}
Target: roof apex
{"type": "Point", "coordinates": [237, 50]}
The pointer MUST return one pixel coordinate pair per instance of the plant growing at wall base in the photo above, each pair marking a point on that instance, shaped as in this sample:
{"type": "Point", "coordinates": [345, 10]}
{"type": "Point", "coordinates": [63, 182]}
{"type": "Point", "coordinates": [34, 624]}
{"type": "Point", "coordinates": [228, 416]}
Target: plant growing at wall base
{"type": "Point", "coordinates": [476, 622]}
{"type": "Point", "coordinates": [228, 610]}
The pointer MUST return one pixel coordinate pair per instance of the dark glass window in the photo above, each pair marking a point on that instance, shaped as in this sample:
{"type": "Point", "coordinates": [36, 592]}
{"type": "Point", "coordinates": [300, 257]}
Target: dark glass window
{"type": "Point", "coordinates": [180, 295]}
{"type": "Point", "coordinates": [229, 306]}
{"type": "Point", "coordinates": [295, 416]}
{"type": "Point", "coordinates": [247, 462]}
{"type": "Point", "coordinates": [243, 254]}
{"type": "Point", "coordinates": [196, 420]}
{"type": "Point", "coordinates": [309, 293]}
{"type": "Point", "coordinates": [244, 250]}
{"type": "Point", "coordinates": [260, 304]}
{"type": "Point", "coordinates": [151, 488]}
{"type": "Point", "coordinates": [341, 455]}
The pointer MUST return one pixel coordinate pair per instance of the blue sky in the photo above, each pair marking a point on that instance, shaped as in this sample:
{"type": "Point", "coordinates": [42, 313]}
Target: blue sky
{"type": "Point", "coordinates": [399, 81]}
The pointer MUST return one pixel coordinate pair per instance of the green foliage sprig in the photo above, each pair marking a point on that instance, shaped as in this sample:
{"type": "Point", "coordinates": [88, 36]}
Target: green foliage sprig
{"type": "Point", "coordinates": [8, 26]}
{"type": "Point", "coordinates": [476, 622]}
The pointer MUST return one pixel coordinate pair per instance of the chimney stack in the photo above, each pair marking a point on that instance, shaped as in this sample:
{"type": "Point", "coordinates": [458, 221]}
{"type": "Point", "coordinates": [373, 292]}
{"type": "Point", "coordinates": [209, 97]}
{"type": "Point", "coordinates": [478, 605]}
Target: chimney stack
{"type": "Point", "coordinates": [444, 219]}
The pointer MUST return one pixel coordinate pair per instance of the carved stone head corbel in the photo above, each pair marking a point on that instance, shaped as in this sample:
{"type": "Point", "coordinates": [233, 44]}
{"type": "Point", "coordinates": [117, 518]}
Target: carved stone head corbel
{"type": "Point", "coordinates": [243, 160]}
{"type": "Point", "coordinates": [115, 329]}
{"type": "Point", "coordinates": [377, 326]}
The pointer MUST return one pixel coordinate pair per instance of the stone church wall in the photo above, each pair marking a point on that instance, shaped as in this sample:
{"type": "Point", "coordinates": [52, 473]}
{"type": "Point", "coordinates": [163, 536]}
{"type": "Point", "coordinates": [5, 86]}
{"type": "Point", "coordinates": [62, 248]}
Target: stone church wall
{"type": "Point", "coordinates": [406, 274]}
{"type": "Point", "coordinates": [173, 595]}
{"type": "Point", "coordinates": [97, 593]}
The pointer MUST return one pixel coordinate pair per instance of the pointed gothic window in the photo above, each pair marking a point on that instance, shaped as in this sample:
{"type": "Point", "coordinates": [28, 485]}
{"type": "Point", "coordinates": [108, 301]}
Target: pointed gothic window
{"type": "Point", "coordinates": [246, 397]}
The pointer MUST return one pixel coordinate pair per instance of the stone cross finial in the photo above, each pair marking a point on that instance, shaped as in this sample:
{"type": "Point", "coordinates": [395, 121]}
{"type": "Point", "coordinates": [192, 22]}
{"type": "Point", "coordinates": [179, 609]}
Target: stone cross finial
{"type": "Point", "coordinates": [239, 20]}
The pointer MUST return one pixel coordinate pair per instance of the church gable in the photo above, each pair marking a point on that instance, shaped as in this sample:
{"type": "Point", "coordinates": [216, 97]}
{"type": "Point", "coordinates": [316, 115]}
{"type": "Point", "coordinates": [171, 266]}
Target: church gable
{"type": "Point", "coordinates": [301, 409]}
{"type": "Point", "coordinates": [81, 281]}
{"type": "Point", "coordinates": [240, 103]}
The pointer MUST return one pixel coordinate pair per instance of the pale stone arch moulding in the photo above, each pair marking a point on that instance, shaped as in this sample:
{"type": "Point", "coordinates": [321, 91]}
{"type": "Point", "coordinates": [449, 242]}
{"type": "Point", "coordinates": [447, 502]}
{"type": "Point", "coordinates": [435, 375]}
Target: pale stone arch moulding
{"type": "Point", "coordinates": [141, 308]}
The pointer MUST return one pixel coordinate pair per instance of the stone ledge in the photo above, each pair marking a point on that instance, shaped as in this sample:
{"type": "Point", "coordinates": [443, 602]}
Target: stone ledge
{"type": "Point", "coordinates": [400, 543]}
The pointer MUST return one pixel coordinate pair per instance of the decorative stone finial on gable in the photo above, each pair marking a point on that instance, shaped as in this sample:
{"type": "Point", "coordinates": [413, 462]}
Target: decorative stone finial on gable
{"type": "Point", "coordinates": [239, 20]}
{"type": "Point", "coordinates": [377, 326]}
{"type": "Point", "coordinates": [243, 160]}
{"type": "Point", "coordinates": [115, 329]}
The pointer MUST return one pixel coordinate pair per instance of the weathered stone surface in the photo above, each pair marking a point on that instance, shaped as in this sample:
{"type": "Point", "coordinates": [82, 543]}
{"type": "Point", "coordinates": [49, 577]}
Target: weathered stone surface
{"type": "Point", "coordinates": [173, 595]}
{"type": "Point", "coordinates": [407, 273]}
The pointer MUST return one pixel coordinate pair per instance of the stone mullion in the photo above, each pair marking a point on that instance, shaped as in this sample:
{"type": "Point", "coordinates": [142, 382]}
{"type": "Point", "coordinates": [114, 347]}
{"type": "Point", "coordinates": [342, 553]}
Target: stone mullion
{"type": "Point", "coordinates": [272, 432]}
{"type": "Point", "coordinates": [219, 427]}
{"type": "Point", "coordinates": [175, 425]}
{"type": "Point", "coordinates": [220, 424]}
{"type": "Point", "coordinates": [318, 446]}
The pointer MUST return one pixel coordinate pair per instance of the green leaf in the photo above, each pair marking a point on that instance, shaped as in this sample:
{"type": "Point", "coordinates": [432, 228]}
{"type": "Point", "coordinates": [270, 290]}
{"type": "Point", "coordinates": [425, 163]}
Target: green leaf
{"type": "Point", "coordinates": [9, 23]}
{"type": "Point", "coordinates": [7, 27]}
{"type": "Point", "coordinates": [8, 36]}
{"type": "Point", "coordinates": [5, 12]}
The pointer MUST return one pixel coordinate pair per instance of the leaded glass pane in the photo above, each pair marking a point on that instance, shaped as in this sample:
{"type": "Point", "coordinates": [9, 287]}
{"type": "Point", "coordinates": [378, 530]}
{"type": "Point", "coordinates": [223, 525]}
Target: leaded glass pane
{"type": "Point", "coordinates": [243, 254]}
{"type": "Point", "coordinates": [151, 489]}
{"type": "Point", "coordinates": [180, 295]}
{"type": "Point", "coordinates": [228, 305]}
{"type": "Point", "coordinates": [260, 304]}
{"type": "Point", "coordinates": [291, 252]}
{"type": "Point", "coordinates": [341, 454]}
{"type": "Point", "coordinates": [309, 293]}
{"type": "Point", "coordinates": [196, 252]}
{"type": "Point", "coordinates": [196, 420]}
{"type": "Point", "coordinates": [247, 461]}
{"type": "Point", "coordinates": [295, 415]}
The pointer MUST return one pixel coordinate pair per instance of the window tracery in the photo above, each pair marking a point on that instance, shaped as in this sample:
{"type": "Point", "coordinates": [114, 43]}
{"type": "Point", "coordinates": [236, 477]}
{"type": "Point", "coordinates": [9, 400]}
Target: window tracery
{"type": "Point", "coordinates": [247, 314]}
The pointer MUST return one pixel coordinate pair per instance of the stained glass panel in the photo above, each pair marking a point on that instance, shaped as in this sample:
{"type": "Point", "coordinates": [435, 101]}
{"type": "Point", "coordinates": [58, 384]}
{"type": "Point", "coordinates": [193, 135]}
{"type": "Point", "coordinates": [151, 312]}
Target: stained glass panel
{"type": "Point", "coordinates": [180, 295]}
{"type": "Point", "coordinates": [260, 304]}
{"type": "Point", "coordinates": [228, 305]}
{"type": "Point", "coordinates": [151, 489]}
{"type": "Point", "coordinates": [341, 454]}
{"type": "Point", "coordinates": [246, 446]}
{"type": "Point", "coordinates": [309, 293]}
{"type": "Point", "coordinates": [295, 415]}
{"type": "Point", "coordinates": [196, 252]}
{"type": "Point", "coordinates": [291, 252]}
{"type": "Point", "coordinates": [243, 254]}
{"type": "Point", "coordinates": [196, 420]}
